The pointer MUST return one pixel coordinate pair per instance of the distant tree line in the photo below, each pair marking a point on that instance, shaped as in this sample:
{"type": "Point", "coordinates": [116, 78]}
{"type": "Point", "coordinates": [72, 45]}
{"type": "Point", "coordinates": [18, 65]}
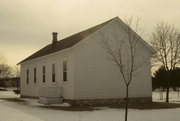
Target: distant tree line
{"type": "Point", "coordinates": [6, 71]}
{"type": "Point", "coordinates": [160, 78]}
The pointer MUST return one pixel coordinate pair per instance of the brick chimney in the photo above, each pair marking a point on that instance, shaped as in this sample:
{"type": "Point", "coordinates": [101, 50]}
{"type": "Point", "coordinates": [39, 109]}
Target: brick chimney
{"type": "Point", "coordinates": [54, 35]}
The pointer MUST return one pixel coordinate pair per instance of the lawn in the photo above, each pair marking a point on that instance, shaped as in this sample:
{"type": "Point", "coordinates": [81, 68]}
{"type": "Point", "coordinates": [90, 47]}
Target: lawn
{"type": "Point", "coordinates": [15, 109]}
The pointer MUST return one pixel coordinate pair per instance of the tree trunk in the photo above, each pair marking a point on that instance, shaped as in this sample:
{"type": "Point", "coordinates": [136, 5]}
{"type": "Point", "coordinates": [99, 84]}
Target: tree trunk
{"type": "Point", "coordinates": [127, 100]}
{"type": "Point", "coordinates": [167, 88]}
{"type": "Point", "coordinates": [167, 94]}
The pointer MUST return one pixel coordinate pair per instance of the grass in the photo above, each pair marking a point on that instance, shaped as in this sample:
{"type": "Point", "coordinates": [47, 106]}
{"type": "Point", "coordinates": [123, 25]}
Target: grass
{"type": "Point", "coordinates": [71, 108]}
{"type": "Point", "coordinates": [141, 106]}
{"type": "Point", "coordinates": [17, 100]}
{"type": "Point", "coordinates": [149, 106]}
{"type": "Point", "coordinates": [1, 89]}
{"type": "Point", "coordinates": [13, 99]}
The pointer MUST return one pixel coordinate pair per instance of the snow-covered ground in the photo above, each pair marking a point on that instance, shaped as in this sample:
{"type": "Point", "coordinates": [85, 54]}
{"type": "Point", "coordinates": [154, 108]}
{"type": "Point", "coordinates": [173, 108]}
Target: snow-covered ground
{"type": "Point", "coordinates": [174, 97]}
{"type": "Point", "coordinates": [8, 94]}
{"type": "Point", "coordinates": [13, 111]}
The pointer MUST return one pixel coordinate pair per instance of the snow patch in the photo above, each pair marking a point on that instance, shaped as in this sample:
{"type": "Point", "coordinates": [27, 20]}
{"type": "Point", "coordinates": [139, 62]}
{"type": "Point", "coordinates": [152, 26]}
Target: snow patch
{"type": "Point", "coordinates": [8, 94]}
{"type": "Point", "coordinates": [34, 102]}
{"type": "Point", "coordinates": [12, 111]}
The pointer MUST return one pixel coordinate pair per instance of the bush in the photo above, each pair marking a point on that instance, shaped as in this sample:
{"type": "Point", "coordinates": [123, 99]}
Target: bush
{"type": "Point", "coordinates": [17, 91]}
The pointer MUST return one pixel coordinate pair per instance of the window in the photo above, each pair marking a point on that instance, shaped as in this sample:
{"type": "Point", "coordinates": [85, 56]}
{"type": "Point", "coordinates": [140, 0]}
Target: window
{"type": "Point", "coordinates": [44, 74]}
{"type": "Point", "coordinates": [65, 70]}
{"type": "Point", "coordinates": [53, 73]}
{"type": "Point", "coordinates": [34, 75]}
{"type": "Point", "coordinates": [27, 76]}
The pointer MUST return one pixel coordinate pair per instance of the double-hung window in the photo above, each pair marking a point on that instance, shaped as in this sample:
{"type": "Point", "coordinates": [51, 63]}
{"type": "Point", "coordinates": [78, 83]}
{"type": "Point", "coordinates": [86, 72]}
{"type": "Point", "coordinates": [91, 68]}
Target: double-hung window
{"type": "Point", "coordinates": [65, 70]}
{"type": "Point", "coordinates": [27, 76]}
{"type": "Point", "coordinates": [34, 75]}
{"type": "Point", "coordinates": [44, 73]}
{"type": "Point", "coordinates": [53, 73]}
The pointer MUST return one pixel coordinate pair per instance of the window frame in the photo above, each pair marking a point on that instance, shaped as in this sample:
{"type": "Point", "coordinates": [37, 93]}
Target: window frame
{"type": "Point", "coordinates": [53, 73]}
{"type": "Point", "coordinates": [43, 74]}
{"type": "Point", "coordinates": [27, 76]}
{"type": "Point", "coordinates": [35, 74]}
{"type": "Point", "coordinates": [65, 71]}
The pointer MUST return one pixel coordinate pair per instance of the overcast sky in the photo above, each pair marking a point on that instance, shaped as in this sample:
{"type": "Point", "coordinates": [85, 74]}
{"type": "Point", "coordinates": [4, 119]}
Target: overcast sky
{"type": "Point", "coordinates": [26, 25]}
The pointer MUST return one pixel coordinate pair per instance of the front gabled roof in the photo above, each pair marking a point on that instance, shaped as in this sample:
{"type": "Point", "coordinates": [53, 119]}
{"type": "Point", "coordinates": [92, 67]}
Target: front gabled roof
{"type": "Point", "coordinates": [65, 43]}
{"type": "Point", "coordinates": [74, 39]}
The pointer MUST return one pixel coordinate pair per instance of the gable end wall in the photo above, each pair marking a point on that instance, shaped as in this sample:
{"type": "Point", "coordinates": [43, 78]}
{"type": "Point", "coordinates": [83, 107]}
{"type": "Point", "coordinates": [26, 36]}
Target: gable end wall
{"type": "Point", "coordinates": [97, 77]}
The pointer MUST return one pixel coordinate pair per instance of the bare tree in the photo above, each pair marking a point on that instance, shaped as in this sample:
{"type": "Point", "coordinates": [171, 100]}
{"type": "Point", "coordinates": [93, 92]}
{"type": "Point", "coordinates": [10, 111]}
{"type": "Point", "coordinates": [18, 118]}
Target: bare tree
{"type": "Point", "coordinates": [3, 59]}
{"type": "Point", "coordinates": [5, 70]}
{"type": "Point", "coordinates": [125, 52]}
{"type": "Point", "coordinates": [166, 40]}
{"type": "Point", "coordinates": [15, 71]}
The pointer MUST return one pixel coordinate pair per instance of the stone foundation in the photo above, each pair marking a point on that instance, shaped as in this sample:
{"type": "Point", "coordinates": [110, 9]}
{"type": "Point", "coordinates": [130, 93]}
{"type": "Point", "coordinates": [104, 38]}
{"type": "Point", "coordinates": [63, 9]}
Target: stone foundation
{"type": "Point", "coordinates": [109, 101]}
{"type": "Point", "coordinates": [99, 102]}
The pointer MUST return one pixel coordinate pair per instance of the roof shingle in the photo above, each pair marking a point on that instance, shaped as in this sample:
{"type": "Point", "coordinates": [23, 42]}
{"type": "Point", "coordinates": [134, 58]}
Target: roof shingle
{"type": "Point", "coordinates": [64, 43]}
